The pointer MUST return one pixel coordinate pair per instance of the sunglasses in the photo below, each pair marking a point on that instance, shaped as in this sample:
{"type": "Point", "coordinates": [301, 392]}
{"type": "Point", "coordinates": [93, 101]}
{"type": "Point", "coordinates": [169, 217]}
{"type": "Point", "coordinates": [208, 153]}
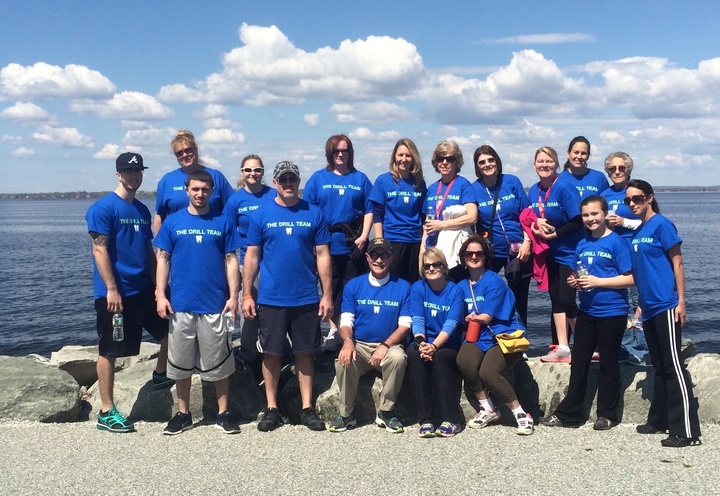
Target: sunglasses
{"type": "Point", "coordinates": [287, 179]}
{"type": "Point", "coordinates": [450, 159]}
{"type": "Point", "coordinates": [375, 255]}
{"type": "Point", "coordinates": [637, 199]}
{"type": "Point", "coordinates": [256, 170]}
{"type": "Point", "coordinates": [188, 151]}
{"type": "Point", "coordinates": [434, 265]}
{"type": "Point", "coordinates": [619, 168]}
{"type": "Point", "coordinates": [338, 151]}
{"type": "Point", "coordinates": [473, 254]}
{"type": "Point", "coordinates": [488, 161]}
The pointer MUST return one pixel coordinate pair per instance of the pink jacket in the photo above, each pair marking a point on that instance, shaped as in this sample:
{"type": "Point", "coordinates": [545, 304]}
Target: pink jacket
{"type": "Point", "coordinates": [539, 248]}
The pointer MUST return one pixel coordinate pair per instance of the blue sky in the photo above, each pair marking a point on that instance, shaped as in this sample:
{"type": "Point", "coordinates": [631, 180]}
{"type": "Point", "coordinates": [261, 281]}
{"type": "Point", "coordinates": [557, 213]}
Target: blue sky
{"type": "Point", "coordinates": [82, 81]}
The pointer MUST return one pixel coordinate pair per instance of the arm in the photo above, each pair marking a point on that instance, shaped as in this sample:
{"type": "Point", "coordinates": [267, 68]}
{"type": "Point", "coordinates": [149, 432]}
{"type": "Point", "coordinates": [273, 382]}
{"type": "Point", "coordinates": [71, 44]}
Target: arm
{"type": "Point", "coordinates": [104, 265]}
{"type": "Point", "coordinates": [347, 352]}
{"type": "Point", "coordinates": [157, 222]}
{"type": "Point", "coordinates": [164, 309]}
{"type": "Point", "coordinates": [397, 337]}
{"type": "Point", "coordinates": [616, 282]}
{"type": "Point", "coordinates": [250, 269]}
{"type": "Point", "coordinates": [367, 225]}
{"type": "Point", "coordinates": [469, 218]}
{"type": "Point", "coordinates": [378, 218]}
{"type": "Point", "coordinates": [232, 270]}
{"type": "Point", "coordinates": [678, 268]}
{"type": "Point", "coordinates": [324, 268]}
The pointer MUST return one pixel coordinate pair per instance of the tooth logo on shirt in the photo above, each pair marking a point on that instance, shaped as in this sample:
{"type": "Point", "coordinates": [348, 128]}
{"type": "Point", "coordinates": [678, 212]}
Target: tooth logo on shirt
{"type": "Point", "coordinates": [288, 231]}
{"type": "Point", "coordinates": [407, 199]}
{"type": "Point", "coordinates": [590, 259]}
{"type": "Point", "coordinates": [198, 238]}
{"type": "Point", "coordinates": [137, 228]}
{"type": "Point", "coordinates": [433, 313]}
{"type": "Point", "coordinates": [341, 192]}
{"type": "Point", "coordinates": [376, 309]}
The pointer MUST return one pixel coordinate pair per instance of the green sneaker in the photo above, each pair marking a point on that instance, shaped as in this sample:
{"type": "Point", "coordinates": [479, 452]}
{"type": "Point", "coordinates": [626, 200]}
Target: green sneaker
{"type": "Point", "coordinates": [114, 422]}
{"type": "Point", "coordinates": [160, 380]}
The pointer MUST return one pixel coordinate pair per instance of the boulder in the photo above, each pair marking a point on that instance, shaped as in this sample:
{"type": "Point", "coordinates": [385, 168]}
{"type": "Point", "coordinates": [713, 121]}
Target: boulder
{"type": "Point", "coordinates": [32, 390]}
{"type": "Point", "coordinates": [705, 371]}
{"type": "Point", "coordinates": [80, 361]}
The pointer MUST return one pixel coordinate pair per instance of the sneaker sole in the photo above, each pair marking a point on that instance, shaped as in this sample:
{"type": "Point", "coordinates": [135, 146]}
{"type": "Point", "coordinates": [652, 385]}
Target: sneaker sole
{"type": "Point", "coordinates": [225, 431]}
{"type": "Point", "coordinates": [186, 428]}
{"type": "Point", "coordinates": [381, 423]}
{"type": "Point", "coordinates": [525, 432]}
{"type": "Point", "coordinates": [268, 428]}
{"type": "Point", "coordinates": [316, 428]}
{"type": "Point", "coordinates": [123, 430]}
{"type": "Point", "coordinates": [482, 425]}
{"type": "Point", "coordinates": [556, 360]}
{"type": "Point", "coordinates": [163, 385]}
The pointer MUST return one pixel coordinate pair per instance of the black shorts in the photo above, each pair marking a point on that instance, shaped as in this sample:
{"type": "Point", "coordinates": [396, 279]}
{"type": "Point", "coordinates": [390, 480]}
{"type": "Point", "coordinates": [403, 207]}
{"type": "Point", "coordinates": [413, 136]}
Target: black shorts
{"type": "Point", "coordinates": [301, 324]}
{"type": "Point", "coordinates": [139, 311]}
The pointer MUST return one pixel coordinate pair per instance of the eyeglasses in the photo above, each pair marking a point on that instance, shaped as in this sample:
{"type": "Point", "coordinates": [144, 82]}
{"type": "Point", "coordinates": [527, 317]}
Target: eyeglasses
{"type": "Point", "coordinates": [490, 161]}
{"type": "Point", "coordinates": [434, 265]}
{"type": "Point", "coordinates": [187, 151]}
{"type": "Point", "coordinates": [473, 254]}
{"type": "Point", "coordinates": [256, 170]}
{"type": "Point", "coordinates": [450, 159]}
{"type": "Point", "coordinates": [375, 255]}
{"type": "Point", "coordinates": [287, 179]}
{"type": "Point", "coordinates": [338, 151]}
{"type": "Point", "coordinates": [619, 168]}
{"type": "Point", "coordinates": [637, 199]}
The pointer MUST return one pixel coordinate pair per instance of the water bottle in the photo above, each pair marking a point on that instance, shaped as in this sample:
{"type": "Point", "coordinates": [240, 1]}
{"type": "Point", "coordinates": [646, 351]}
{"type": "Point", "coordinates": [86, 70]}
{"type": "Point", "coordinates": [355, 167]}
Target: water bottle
{"type": "Point", "coordinates": [432, 238]}
{"type": "Point", "coordinates": [582, 271]}
{"type": "Point", "coordinates": [229, 322]}
{"type": "Point", "coordinates": [118, 326]}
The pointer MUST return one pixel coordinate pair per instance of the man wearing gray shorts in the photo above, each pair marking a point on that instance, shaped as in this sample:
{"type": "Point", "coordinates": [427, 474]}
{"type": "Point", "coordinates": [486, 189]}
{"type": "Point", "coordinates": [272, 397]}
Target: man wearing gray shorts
{"type": "Point", "coordinates": [197, 255]}
{"type": "Point", "coordinates": [288, 242]}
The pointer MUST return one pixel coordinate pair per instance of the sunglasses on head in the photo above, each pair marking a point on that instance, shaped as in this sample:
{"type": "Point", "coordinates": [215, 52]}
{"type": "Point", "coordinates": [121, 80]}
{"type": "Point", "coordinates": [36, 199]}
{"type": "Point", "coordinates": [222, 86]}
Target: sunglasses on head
{"type": "Point", "coordinates": [189, 151]}
{"type": "Point", "coordinates": [619, 168]}
{"type": "Point", "coordinates": [256, 170]}
{"type": "Point", "coordinates": [637, 199]}
{"type": "Point", "coordinates": [434, 265]}
{"type": "Point", "coordinates": [472, 254]}
{"type": "Point", "coordinates": [374, 255]}
{"type": "Point", "coordinates": [450, 159]}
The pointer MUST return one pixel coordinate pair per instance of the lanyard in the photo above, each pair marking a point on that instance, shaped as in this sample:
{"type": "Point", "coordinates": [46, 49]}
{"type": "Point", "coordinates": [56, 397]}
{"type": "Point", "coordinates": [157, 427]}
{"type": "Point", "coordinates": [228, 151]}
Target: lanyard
{"type": "Point", "coordinates": [472, 293]}
{"type": "Point", "coordinates": [541, 204]}
{"type": "Point", "coordinates": [439, 203]}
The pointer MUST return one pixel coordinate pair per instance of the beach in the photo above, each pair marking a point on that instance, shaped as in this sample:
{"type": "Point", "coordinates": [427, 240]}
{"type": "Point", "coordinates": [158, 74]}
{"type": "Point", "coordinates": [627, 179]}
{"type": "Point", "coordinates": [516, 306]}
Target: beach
{"type": "Point", "coordinates": [77, 458]}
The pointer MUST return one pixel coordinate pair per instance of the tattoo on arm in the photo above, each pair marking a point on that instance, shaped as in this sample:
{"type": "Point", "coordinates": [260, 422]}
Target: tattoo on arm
{"type": "Point", "coordinates": [165, 255]}
{"type": "Point", "coordinates": [99, 239]}
{"type": "Point", "coordinates": [230, 256]}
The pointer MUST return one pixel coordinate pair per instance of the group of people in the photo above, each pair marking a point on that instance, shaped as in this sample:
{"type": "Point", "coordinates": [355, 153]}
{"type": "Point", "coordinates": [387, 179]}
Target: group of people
{"type": "Point", "coordinates": [405, 272]}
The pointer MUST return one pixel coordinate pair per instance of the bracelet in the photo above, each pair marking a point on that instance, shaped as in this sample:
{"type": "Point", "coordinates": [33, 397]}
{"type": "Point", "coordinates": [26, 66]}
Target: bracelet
{"type": "Point", "coordinates": [385, 345]}
{"type": "Point", "coordinates": [349, 339]}
{"type": "Point", "coordinates": [434, 346]}
{"type": "Point", "coordinates": [247, 297]}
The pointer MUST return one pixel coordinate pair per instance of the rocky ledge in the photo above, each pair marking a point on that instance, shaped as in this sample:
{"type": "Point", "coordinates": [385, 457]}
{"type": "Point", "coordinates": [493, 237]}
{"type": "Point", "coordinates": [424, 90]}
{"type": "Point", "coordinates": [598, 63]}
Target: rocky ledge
{"type": "Point", "coordinates": [64, 389]}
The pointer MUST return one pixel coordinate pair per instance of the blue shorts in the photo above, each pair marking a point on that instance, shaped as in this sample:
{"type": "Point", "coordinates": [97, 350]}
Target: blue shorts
{"type": "Point", "coordinates": [139, 311]}
{"type": "Point", "coordinates": [300, 324]}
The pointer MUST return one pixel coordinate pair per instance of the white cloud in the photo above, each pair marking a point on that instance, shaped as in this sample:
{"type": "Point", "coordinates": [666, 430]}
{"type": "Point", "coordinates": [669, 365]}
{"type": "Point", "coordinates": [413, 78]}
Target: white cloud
{"type": "Point", "coordinates": [218, 122]}
{"type": "Point", "coordinates": [124, 105]}
{"type": "Point", "coordinates": [67, 137]}
{"type": "Point", "coordinates": [211, 110]}
{"type": "Point", "coordinates": [542, 39]}
{"type": "Point", "coordinates": [22, 151]}
{"type": "Point", "coordinates": [179, 93]}
{"type": "Point", "coordinates": [150, 137]}
{"type": "Point", "coordinates": [111, 151]}
{"type": "Point", "coordinates": [311, 120]}
{"type": "Point", "coordinates": [25, 112]}
{"type": "Point", "coordinates": [375, 112]}
{"type": "Point", "coordinates": [221, 137]}
{"type": "Point", "coordinates": [50, 81]}
{"type": "Point", "coordinates": [13, 140]}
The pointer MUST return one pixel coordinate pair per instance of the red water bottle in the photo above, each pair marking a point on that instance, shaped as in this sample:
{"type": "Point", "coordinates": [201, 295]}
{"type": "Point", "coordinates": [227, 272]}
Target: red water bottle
{"type": "Point", "coordinates": [473, 332]}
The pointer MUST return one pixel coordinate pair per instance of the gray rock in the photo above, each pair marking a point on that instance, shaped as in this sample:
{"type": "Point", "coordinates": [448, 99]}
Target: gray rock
{"type": "Point", "coordinates": [705, 371]}
{"type": "Point", "coordinates": [31, 390]}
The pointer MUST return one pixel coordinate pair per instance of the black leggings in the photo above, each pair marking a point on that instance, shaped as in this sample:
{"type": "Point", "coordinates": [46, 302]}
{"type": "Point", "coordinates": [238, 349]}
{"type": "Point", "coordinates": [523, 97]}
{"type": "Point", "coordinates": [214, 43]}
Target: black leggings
{"type": "Point", "coordinates": [436, 385]}
{"type": "Point", "coordinates": [484, 370]}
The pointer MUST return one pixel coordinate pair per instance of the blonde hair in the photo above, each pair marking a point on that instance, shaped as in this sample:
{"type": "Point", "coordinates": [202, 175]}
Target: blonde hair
{"type": "Point", "coordinates": [188, 138]}
{"type": "Point", "coordinates": [548, 151]}
{"type": "Point", "coordinates": [416, 171]}
{"type": "Point", "coordinates": [443, 148]}
{"type": "Point", "coordinates": [432, 255]}
{"type": "Point", "coordinates": [252, 156]}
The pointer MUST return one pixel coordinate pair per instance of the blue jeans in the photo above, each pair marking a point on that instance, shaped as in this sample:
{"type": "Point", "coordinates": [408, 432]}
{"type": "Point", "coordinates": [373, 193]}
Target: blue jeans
{"type": "Point", "coordinates": [633, 342]}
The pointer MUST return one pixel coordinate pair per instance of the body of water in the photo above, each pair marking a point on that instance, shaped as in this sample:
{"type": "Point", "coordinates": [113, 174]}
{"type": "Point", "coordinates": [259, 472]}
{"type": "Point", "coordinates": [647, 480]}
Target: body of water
{"type": "Point", "coordinates": [46, 273]}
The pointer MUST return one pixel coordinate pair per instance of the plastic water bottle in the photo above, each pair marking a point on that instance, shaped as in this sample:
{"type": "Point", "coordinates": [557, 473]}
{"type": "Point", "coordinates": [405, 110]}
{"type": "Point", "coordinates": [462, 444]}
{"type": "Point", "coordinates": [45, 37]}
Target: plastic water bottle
{"type": "Point", "coordinates": [229, 322]}
{"type": "Point", "coordinates": [118, 324]}
{"type": "Point", "coordinates": [582, 271]}
{"type": "Point", "coordinates": [432, 238]}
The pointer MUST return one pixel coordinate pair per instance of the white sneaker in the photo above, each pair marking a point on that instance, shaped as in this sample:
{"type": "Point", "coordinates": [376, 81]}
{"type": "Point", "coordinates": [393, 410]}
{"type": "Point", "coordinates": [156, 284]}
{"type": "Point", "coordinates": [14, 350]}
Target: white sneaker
{"type": "Point", "coordinates": [525, 424]}
{"type": "Point", "coordinates": [483, 419]}
{"type": "Point", "coordinates": [330, 343]}
{"type": "Point", "coordinates": [557, 356]}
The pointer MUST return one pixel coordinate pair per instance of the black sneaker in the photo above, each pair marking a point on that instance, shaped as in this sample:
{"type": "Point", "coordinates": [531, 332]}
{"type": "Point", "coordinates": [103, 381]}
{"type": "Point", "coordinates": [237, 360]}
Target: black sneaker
{"type": "Point", "coordinates": [180, 422]}
{"type": "Point", "coordinates": [555, 421]}
{"type": "Point", "coordinates": [226, 423]}
{"type": "Point", "coordinates": [341, 424]}
{"type": "Point", "coordinates": [648, 429]}
{"type": "Point", "coordinates": [389, 421]}
{"type": "Point", "coordinates": [310, 419]}
{"type": "Point", "coordinates": [603, 424]}
{"type": "Point", "coordinates": [680, 442]}
{"type": "Point", "coordinates": [271, 420]}
{"type": "Point", "coordinates": [160, 380]}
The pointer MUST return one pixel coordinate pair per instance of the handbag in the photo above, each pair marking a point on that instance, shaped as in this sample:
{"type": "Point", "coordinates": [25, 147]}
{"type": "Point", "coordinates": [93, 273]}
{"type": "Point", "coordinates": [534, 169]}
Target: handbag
{"type": "Point", "coordinates": [511, 342]}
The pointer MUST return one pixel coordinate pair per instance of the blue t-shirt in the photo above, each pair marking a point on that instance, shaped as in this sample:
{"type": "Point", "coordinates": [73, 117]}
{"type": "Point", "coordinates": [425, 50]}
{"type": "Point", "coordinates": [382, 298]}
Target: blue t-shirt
{"type": "Point", "coordinates": [198, 245]}
{"type": "Point", "coordinates": [591, 183]}
{"type": "Point", "coordinates": [287, 237]}
{"type": "Point", "coordinates": [172, 196]}
{"type": "Point", "coordinates": [436, 307]}
{"type": "Point", "coordinates": [376, 308]}
{"type": "Point", "coordinates": [493, 297]}
{"type": "Point", "coordinates": [403, 206]}
{"type": "Point", "coordinates": [341, 198]}
{"type": "Point", "coordinates": [616, 204]}
{"type": "Point", "coordinates": [608, 256]}
{"type": "Point", "coordinates": [241, 206]}
{"type": "Point", "coordinates": [440, 198]}
{"type": "Point", "coordinates": [128, 227]}
{"type": "Point", "coordinates": [512, 199]}
{"type": "Point", "coordinates": [652, 268]}
{"type": "Point", "coordinates": [561, 205]}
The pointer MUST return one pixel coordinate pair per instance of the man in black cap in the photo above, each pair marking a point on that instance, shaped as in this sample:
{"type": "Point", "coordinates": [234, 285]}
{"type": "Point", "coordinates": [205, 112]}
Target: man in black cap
{"type": "Point", "coordinates": [374, 326]}
{"type": "Point", "coordinates": [124, 284]}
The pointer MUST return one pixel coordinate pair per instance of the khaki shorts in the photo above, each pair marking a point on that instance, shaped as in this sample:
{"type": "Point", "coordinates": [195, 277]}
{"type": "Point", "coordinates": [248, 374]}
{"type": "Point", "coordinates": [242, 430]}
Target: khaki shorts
{"type": "Point", "coordinates": [199, 342]}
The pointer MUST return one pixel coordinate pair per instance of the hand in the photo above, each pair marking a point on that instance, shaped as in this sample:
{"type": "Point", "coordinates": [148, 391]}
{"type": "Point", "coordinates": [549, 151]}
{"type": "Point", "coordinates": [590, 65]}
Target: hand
{"type": "Point", "coordinates": [614, 220]}
{"type": "Point", "coordinates": [432, 226]}
{"type": "Point", "coordinates": [473, 317]}
{"type": "Point", "coordinates": [681, 313]}
{"type": "Point", "coordinates": [378, 356]}
{"type": "Point", "coordinates": [325, 309]}
{"type": "Point", "coordinates": [572, 280]}
{"type": "Point", "coordinates": [114, 301]}
{"type": "Point", "coordinates": [164, 309]}
{"type": "Point", "coordinates": [231, 306]}
{"type": "Point", "coordinates": [525, 251]}
{"type": "Point", "coordinates": [347, 353]}
{"type": "Point", "coordinates": [248, 308]}
{"type": "Point", "coordinates": [587, 282]}
{"type": "Point", "coordinates": [427, 351]}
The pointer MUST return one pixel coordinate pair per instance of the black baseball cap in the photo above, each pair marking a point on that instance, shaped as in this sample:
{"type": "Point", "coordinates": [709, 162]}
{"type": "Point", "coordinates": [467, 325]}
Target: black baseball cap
{"type": "Point", "coordinates": [129, 161]}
